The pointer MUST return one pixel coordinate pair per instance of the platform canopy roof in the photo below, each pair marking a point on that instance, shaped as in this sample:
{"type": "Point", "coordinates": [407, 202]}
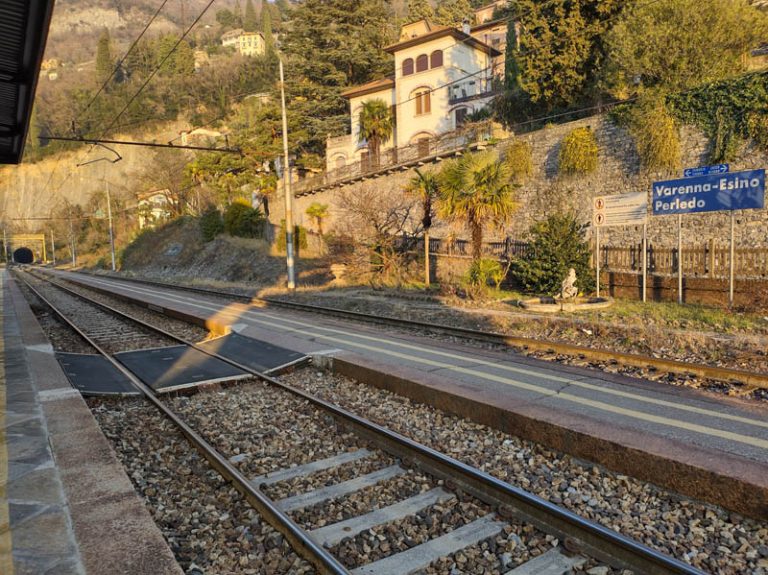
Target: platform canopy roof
{"type": "Point", "coordinates": [23, 33]}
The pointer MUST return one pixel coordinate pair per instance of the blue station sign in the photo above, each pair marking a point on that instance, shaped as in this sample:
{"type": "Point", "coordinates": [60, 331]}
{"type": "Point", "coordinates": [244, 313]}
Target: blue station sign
{"type": "Point", "coordinates": [712, 193]}
{"type": "Point", "coordinates": [706, 170]}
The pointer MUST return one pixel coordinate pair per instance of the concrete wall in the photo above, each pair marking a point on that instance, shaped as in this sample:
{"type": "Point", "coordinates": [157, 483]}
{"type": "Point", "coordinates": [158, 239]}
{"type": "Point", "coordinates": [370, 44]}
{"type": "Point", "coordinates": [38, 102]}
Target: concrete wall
{"type": "Point", "coordinates": [619, 172]}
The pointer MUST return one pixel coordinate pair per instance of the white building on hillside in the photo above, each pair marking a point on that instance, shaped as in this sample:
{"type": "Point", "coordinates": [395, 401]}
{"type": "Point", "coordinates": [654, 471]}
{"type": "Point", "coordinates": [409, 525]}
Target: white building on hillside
{"type": "Point", "coordinates": [441, 75]}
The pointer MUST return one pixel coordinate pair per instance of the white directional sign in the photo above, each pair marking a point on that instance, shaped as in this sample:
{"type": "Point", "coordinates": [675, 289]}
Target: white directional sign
{"type": "Point", "coordinates": [623, 210]}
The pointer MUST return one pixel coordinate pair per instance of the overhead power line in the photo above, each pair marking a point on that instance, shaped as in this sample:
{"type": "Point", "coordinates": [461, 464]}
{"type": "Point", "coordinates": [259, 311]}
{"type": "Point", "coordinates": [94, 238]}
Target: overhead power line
{"type": "Point", "coordinates": [157, 68]}
{"type": "Point", "coordinates": [119, 65]}
{"type": "Point", "coordinates": [144, 144]}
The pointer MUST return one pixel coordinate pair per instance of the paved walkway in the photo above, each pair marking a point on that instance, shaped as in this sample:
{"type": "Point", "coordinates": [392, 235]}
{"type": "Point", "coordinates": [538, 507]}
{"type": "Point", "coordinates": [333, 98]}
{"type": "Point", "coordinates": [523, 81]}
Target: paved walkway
{"type": "Point", "coordinates": [36, 533]}
{"type": "Point", "coordinates": [66, 504]}
{"type": "Point", "coordinates": [727, 432]}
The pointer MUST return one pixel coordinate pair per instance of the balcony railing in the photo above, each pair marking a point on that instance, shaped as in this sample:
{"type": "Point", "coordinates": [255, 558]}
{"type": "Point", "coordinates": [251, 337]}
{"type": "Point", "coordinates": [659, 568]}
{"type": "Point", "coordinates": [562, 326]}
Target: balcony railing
{"type": "Point", "coordinates": [459, 98]}
{"type": "Point", "coordinates": [405, 156]}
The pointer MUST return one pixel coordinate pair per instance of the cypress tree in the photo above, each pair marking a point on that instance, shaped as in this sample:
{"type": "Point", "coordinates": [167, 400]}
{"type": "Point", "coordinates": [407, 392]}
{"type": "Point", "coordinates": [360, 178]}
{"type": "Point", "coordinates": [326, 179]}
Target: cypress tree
{"type": "Point", "coordinates": [251, 21]}
{"type": "Point", "coordinates": [238, 12]}
{"type": "Point", "coordinates": [266, 31]}
{"type": "Point", "coordinates": [104, 63]}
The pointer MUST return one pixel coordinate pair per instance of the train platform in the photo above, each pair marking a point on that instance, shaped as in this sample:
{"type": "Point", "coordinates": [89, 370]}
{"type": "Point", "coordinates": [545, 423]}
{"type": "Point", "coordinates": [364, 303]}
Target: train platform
{"type": "Point", "coordinates": [66, 504]}
{"type": "Point", "coordinates": [708, 447]}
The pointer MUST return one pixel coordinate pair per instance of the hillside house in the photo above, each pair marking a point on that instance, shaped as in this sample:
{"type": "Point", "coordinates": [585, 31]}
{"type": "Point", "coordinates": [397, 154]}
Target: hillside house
{"type": "Point", "coordinates": [441, 75]}
{"type": "Point", "coordinates": [154, 206]}
{"type": "Point", "coordinates": [246, 43]}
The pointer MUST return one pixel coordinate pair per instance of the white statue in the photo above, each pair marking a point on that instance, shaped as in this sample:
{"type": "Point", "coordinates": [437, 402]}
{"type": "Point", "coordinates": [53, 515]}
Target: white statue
{"type": "Point", "coordinates": [568, 289]}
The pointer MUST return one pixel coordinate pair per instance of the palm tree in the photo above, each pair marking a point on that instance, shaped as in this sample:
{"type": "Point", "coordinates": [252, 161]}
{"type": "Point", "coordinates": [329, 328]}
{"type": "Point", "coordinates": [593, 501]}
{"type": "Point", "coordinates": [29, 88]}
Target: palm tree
{"type": "Point", "coordinates": [376, 126]}
{"type": "Point", "coordinates": [475, 189]}
{"type": "Point", "coordinates": [426, 187]}
{"type": "Point", "coordinates": [318, 212]}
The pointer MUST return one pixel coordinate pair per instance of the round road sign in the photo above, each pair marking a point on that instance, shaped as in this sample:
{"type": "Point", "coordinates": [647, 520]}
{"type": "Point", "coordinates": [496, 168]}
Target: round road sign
{"type": "Point", "coordinates": [599, 203]}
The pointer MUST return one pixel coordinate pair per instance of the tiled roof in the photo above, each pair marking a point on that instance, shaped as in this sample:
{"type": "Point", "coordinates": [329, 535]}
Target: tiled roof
{"type": "Point", "coordinates": [459, 35]}
{"type": "Point", "coordinates": [369, 88]}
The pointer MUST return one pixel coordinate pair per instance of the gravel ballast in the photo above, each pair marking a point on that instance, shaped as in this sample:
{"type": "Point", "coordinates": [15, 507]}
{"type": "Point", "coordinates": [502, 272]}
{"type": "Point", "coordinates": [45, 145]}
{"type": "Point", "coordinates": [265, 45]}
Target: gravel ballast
{"type": "Point", "coordinates": [208, 525]}
{"type": "Point", "coordinates": [273, 430]}
{"type": "Point", "coordinates": [703, 535]}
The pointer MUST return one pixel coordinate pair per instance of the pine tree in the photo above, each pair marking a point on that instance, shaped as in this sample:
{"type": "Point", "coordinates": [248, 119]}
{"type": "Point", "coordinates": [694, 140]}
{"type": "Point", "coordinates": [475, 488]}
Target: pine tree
{"type": "Point", "coordinates": [560, 56]}
{"type": "Point", "coordinates": [104, 63]}
{"type": "Point", "coordinates": [454, 13]}
{"type": "Point", "coordinates": [184, 59]}
{"type": "Point", "coordinates": [345, 39]}
{"type": "Point", "coordinates": [420, 10]}
{"type": "Point", "coordinates": [251, 21]}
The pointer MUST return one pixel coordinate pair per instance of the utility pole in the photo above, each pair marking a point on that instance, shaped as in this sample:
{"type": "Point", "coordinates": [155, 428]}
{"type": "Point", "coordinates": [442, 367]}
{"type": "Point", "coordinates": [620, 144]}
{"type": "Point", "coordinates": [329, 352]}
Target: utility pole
{"type": "Point", "coordinates": [73, 244]}
{"type": "Point", "coordinates": [5, 247]}
{"type": "Point", "coordinates": [53, 249]}
{"type": "Point", "coordinates": [111, 232]}
{"type": "Point", "coordinates": [287, 190]}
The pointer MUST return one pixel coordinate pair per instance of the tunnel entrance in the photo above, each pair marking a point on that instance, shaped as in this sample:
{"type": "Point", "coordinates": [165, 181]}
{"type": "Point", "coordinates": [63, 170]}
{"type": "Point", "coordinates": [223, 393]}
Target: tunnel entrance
{"type": "Point", "coordinates": [23, 256]}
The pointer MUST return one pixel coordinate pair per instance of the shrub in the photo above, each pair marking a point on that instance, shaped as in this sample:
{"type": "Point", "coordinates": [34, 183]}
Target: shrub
{"type": "Point", "coordinates": [243, 221]}
{"type": "Point", "coordinates": [578, 153]}
{"type": "Point", "coordinates": [211, 224]}
{"type": "Point", "coordinates": [299, 238]}
{"type": "Point", "coordinates": [656, 135]}
{"type": "Point", "coordinates": [757, 128]}
{"type": "Point", "coordinates": [556, 245]}
{"type": "Point", "coordinates": [520, 160]}
{"type": "Point", "coordinates": [485, 270]}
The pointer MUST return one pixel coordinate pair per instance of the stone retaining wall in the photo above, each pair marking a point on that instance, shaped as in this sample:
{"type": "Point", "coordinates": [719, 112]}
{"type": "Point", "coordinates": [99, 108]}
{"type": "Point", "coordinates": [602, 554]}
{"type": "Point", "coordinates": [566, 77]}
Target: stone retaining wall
{"type": "Point", "coordinates": [546, 191]}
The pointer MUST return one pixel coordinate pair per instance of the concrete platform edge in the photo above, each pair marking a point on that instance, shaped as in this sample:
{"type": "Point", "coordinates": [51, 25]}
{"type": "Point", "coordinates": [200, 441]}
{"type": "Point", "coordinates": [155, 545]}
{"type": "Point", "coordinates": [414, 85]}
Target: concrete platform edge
{"type": "Point", "coordinates": [114, 531]}
{"type": "Point", "coordinates": [732, 482]}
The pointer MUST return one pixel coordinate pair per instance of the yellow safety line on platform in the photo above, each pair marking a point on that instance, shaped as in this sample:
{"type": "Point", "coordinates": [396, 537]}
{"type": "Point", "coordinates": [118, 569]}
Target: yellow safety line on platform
{"type": "Point", "coordinates": [501, 366]}
{"type": "Point", "coordinates": [704, 430]}
{"type": "Point", "coordinates": [6, 554]}
{"type": "Point", "coordinates": [757, 442]}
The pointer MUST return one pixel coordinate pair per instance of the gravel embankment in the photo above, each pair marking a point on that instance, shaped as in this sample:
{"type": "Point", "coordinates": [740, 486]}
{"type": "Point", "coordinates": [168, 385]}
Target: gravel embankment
{"type": "Point", "coordinates": [704, 535]}
{"type": "Point", "coordinates": [209, 526]}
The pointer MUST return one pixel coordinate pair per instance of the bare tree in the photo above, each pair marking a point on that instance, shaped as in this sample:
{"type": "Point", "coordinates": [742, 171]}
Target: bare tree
{"type": "Point", "coordinates": [378, 221]}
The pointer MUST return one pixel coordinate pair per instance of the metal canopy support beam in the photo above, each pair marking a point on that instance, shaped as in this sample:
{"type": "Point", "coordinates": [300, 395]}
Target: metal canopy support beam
{"type": "Point", "coordinates": [23, 34]}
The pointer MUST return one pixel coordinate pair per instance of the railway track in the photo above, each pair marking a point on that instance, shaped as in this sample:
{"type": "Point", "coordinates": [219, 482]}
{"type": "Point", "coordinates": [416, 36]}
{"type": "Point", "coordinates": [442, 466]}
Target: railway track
{"type": "Point", "coordinates": [489, 506]}
{"type": "Point", "coordinates": [687, 369]}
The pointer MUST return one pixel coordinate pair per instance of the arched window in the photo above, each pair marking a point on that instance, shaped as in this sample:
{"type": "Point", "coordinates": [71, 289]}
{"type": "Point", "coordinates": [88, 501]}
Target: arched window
{"type": "Point", "coordinates": [407, 66]}
{"type": "Point", "coordinates": [422, 63]}
{"type": "Point", "coordinates": [422, 99]}
{"type": "Point", "coordinates": [436, 59]}
{"type": "Point", "coordinates": [340, 162]}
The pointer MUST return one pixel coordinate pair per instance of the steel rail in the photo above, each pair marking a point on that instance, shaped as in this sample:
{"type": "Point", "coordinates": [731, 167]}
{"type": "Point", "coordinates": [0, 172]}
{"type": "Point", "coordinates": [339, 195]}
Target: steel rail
{"type": "Point", "coordinates": [581, 534]}
{"type": "Point", "coordinates": [725, 374]}
{"type": "Point", "coordinates": [300, 540]}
